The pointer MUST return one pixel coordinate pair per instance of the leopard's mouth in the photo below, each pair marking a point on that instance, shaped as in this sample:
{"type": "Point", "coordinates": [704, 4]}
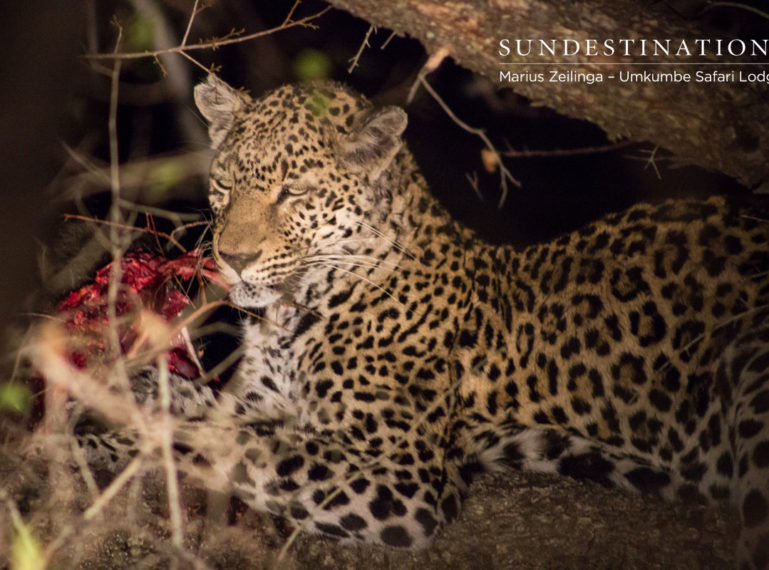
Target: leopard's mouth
{"type": "Point", "coordinates": [250, 294]}
{"type": "Point", "coordinates": [289, 285]}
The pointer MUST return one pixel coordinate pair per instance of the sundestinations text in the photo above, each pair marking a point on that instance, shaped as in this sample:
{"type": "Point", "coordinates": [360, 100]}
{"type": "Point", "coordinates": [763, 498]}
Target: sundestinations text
{"type": "Point", "coordinates": [641, 47]}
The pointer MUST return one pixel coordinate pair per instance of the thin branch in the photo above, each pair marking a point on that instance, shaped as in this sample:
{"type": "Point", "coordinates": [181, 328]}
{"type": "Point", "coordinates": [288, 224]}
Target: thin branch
{"type": "Point", "coordinates": [91, 27]}
{"type": "Point", "coordinates": [504, 174]}
{"type": "Point", "coordinates": [364, 44]}
{"type": "Point", "coordinates": [473, 180]}
{"type": "Point", "coordinates": [94, 177]}
{"type": "Point", "coordinates": [188, 226]}
{"type": "Point", "coordinates": [114, 167]}
{"type": "Point", "coordinates": [387, 41]}
{"type": "Point", "coordinates": [195, 12]}
{"type": "Point", "coordinates": [740, 6]}
{"type": "Point", "coordinates": [114, 215]}
{"type": "Point", "coordinates": [167, 214]}
{"type": "Point", "coordinates": [433, 62]}
{"type": "Point", "coordinates": [195, 61]}
{"type": "Point", "coordinates": [97, 506]}
{"type": "Point", "coordinates": [125, 476]}
{"type": "Point", "coordinates": [215, 43]}
{"type": "Point", "coordinates": [557, 153]}
{"type": "Point", "coordinates": [169, 237]}
{"type": "Point", "coordinates": [79, 456]}
{"type": "Point", "coordinates": [652, 161]}
{"type": "Point", "coordinates": [166, 439]}
{"type": "Point", "coordinates": [287, 19]}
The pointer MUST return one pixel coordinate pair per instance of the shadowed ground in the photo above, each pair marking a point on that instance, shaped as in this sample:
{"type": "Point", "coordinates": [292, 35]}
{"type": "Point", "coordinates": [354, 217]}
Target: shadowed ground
{"type": "Point", "coordinates": [511, 520]}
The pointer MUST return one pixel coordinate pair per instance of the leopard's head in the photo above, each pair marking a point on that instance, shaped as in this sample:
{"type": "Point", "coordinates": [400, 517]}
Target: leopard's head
{"type": "Point", "coordinates": [300, 176]}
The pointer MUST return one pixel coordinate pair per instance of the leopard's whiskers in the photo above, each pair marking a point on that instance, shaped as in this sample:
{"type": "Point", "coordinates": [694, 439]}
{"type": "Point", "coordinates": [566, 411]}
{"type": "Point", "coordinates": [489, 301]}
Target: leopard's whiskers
{"type": "Point", "coordinates": [369, 260]}
{"type": "Point", "coordinates": [396, 244]}
{"type": "Point", "coordinates": [333, 265]}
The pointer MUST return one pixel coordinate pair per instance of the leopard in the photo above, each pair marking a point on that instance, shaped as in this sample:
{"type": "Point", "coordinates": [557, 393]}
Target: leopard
{"type": "Point", "coordinates": [391, 354]}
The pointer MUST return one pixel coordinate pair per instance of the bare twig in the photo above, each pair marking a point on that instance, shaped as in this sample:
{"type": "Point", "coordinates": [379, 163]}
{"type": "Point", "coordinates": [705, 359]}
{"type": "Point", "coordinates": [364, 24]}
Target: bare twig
{"type": "Point", "coordinates": [195, 12]}
{"type": "Point", "coordinates": [290, 14]}
{"type": "Point", "coordinates": [48, 356]}
{"type": "Point", "coordinates": [472, 178]}
{"type": "Point", "coordinates": [109, 493]}
{"type": "Point", "coordinates": [97, 506]}
{"type": "Point", "coordinates": [364, 44]}
{"type": "Point", "coordinates": [114, 168]}
{"type": "Point", "coordinates": [653, 163]}
{"type": "Point", "coordinates": [115, 217]}
{"type": "Point", "coordinates": [232, 38]}
{"type": "Point", "coordinates": [387, 41]}
{"type": "Point", "coordinates": [740, 6]}
{"type": "Point", "coordinates": [651, 160]}
{"type": "Point", "coordinates": [176, 75]}
{"type": "Point", "coordinates": [194, 61]}
{"type": "Point", "coordinates": [135, 175]}
{"type": "Point", "coordinates": [85, 471]}
{"type": "Point", "coordinates": [557, 153]}
{"type": "Point", "coordinates": [433, 62]}
{"type": "Point", "coordinates": [128, 228]}
{"type": "Point", "coordinates": [504, 174]}
{"type": "Point", "coordinates": [166, 440]}
{"type": "Point", "coordinates": [168, 214]}
{"type": "Point", "coordinates": [188, 226]}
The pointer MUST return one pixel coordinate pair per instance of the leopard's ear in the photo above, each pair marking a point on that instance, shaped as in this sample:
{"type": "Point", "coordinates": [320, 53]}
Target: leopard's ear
{"type": "Point", "coordinates": [218, 102]}
{"type": "Point", "coordinates": [372, 145]}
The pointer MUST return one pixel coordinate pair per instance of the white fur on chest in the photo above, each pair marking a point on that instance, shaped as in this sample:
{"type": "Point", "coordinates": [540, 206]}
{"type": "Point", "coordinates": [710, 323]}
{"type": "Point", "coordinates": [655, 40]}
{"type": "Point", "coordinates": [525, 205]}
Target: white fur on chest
{"type": "Point", "coordinates": [265, 381]}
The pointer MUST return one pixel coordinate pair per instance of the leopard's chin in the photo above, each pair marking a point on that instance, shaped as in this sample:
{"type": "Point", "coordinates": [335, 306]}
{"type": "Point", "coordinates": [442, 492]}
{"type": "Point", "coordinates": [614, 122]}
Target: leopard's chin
{"type": "Point", "coordinates": [250, 296]}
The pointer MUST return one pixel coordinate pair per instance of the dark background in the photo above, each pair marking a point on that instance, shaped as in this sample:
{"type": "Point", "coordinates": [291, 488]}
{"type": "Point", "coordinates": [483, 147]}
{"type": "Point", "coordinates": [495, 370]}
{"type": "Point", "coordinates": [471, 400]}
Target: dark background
{"type": "Point", "coordinates": [53, 96]}
{"type": "Point", "coordinates": [41, 40]}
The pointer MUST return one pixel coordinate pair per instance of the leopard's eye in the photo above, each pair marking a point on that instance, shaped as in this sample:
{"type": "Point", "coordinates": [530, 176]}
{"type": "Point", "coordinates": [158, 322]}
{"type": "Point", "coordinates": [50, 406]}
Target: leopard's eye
{"type": "Point", "coordinates": [291, 190]}
{"type": "Point", "coordinates": [219, 189]}
{"type": "Point", "coordinates": [223, 183]}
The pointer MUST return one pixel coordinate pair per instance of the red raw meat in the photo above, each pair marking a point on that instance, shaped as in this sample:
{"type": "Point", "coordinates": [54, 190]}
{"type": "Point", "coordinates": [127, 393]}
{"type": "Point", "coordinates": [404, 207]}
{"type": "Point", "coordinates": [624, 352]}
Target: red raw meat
{"type": "Point", "coordinates": [147, 281]}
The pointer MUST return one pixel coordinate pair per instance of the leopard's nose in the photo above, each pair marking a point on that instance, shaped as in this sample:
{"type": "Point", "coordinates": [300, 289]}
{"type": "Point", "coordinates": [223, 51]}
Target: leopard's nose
{"type": "Point", "coordinates": [238, 261]}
